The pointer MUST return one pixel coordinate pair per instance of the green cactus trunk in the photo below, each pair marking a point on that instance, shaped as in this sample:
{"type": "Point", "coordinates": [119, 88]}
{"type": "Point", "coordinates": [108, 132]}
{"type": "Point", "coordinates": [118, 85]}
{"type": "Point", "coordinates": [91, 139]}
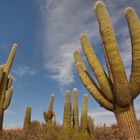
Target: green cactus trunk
{"type": "Point", "coordinates": [84, 113]}
{"type": "Point", "coordinates": [90, 126]}
{"type": "Point", "coordinates": [67, 110]}
{"type": "Point", "coordinates": [27, 118]}
{"type": "Point", "coordinates": [1, 120]}
{"type": "Point", "coordinates": [75, 109]}
{"type": "Point", "coordinates": [115, 93]}
{"type": "Point", "coordinates": [127, 122]}
{"type": "Point", "coordinates": [6, 89]}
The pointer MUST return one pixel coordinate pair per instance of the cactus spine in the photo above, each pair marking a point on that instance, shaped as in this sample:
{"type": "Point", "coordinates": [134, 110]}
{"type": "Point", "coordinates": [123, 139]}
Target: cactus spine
{"type": "Point", "coordinates": [115, 93]}
{"type": "Point", "coordinates": [27, 118]}
{"type": "Point", "coordinates": [48, 116]}
{"type": "Point", "coordinates": [84, 116]}
{"type": "Point", "coordinates": [6, 89]}
{"type": "Point", "coordinates": [67, 110]}
{"type": "Point", "coordinates": [75, 108]}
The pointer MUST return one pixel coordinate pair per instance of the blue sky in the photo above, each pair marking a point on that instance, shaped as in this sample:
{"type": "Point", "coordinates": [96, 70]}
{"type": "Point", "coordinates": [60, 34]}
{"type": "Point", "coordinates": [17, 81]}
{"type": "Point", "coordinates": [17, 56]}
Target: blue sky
{"type": "Point", "coordinates": [47, 33]}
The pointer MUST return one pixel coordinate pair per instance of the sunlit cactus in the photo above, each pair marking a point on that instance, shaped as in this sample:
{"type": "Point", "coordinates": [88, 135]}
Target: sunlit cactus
{"type": "Point", "coordinates": [75, 108]}
{"type": "Point", "coordinates": [113, 92]}
{"type": "Point", "coordinates": [27, 118]}
{"type": "Point", "coordinates": [67, 110]}
{"type": "Point", "coordinates": [84, 115]}
{"type": "Point", "coordinates": [6, 88]}
{"type": "Point", "coordinates": [48, 116]}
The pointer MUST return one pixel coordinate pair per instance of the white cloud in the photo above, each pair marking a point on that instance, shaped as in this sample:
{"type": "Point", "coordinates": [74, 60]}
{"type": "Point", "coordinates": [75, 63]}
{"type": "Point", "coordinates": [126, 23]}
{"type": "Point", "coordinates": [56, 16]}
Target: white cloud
{"type": "Point", "coordinates": [63, 24]}
{"type": "Point", "coordinates": [23, 70]}
{"type": "Point", "coordinates": [102, 116]}
{"type": "Point", "coordinates": [62, 65]}
{"type": "Point", "coordinates": [64, 21]}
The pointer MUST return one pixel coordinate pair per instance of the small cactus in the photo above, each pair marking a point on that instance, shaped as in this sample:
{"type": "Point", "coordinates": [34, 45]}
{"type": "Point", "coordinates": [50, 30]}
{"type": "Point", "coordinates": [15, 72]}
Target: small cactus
{"type": "Point", "coordinates": [90, 126]}
{"type": "Point", "coordinates": [75, 108]}
{"type": "Point", "coordinates": [48, 116]}
{"type": "Point", "coordinates": [27, 118]}
{"type": "Point", "coordinates": [84, 116]}
{"type": "Point", "coordinates": [67, 110]}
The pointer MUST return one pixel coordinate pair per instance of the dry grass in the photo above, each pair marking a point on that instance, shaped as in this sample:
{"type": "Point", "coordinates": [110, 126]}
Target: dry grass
{"type": "Point", "coordinates": [39, 131]}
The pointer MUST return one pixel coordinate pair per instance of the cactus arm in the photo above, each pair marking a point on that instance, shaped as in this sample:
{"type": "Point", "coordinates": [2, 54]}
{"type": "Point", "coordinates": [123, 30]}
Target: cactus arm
{"type": "Point", "coordinates": [10, 59]}
{"type": "Point", "coordinates": [3, 84]}
{"type": "Point", "coordinates": [10, 81]}
{"type": "Point", "coordinates": [44, 115]}
{"type": "Point", "coordinates": [96, 67]}
{"type": "Point", "coordinates": [134, 30]}
{"type": "Point", "coordinates": [91, 87]}
{"type": "Point", "coordinates": [1, 72]}
{"type": "Point", "coordinates": [8, 98]}
{"type": "Point", "coordinates": [79, 59]}
{"type": "Point", "coordinates": [108, 68]}
{"type": "Point", "coordinates": [121, 87]}
{"type": "Point", "coordinates": [50, 107]}
{"type": "Point", "coordinates": [54, 119]}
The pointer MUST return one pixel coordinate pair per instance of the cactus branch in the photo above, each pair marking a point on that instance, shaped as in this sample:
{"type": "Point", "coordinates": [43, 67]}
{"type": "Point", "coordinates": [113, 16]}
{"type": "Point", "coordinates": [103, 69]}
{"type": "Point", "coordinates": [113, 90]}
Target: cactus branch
{"type": "Point", "coordinates": [134, 30]}
{"type": "Point", "coordinates": [10, 59]}
{"type": "Point", "coordinates": [91, 87]}
{"type": "Point", "coordinates": [8, 98]}
{"type": "Point", "coordinates": [114, 58]}
{"type": "Point", "coordinates": [96, 67]}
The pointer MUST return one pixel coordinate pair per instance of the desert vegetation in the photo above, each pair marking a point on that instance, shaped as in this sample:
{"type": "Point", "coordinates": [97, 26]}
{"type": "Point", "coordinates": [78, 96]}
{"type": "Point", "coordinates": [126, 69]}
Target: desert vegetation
{"type": "Point", "coordinates": [113, 91]}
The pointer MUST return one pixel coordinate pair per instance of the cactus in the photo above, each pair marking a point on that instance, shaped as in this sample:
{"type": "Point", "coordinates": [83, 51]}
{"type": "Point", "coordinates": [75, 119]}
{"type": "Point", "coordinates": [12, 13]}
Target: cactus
{"type": "Point", "coordinates": [115, 93]}
{"type": "Point", "coordinates": [67, 111]}
{"type": "Point", "coordinates": [75, 108]}
{"type": "Point", "coordinates": [90, 126]}
{"type": "Point", "coordinates": [84, 116]}
{"type": "Point", "coordinates": [48, 116]}
{"type": "Point", "coordinates": [54, 120]}
{"type": "Point", "coordinates": [6, 89]}
{"type": "Point", "coordinates": [27, 118]}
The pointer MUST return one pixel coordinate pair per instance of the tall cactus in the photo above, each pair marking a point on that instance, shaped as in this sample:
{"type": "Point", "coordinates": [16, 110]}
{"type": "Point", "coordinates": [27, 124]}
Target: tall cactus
{"type": "Point", "coordinates": [115, 93]}
{"type": "Point", "coordinates": [90, 126]}
{"type": "Point", "coordinates": [27, 118]}
{"type": "Point", "coordinates": [84, 115]}
{"type": "Point", "coordinates": [67, 110]}
{"type": "Point", "coordinates": [48, 116]}
{"type": "Point", "coordinates": [75, 108]}
{"type": "Point", "coordinates": [6, 89]}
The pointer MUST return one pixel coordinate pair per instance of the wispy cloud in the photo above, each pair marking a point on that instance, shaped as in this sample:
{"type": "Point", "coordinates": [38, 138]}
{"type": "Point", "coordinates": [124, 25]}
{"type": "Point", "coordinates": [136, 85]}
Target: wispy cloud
{"type": "Point", "coordinates": [63, 24]}
{"type": "Point", "coordinates": [23, 70]}
{"type": "Point", "coordinates": [10, 113]}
